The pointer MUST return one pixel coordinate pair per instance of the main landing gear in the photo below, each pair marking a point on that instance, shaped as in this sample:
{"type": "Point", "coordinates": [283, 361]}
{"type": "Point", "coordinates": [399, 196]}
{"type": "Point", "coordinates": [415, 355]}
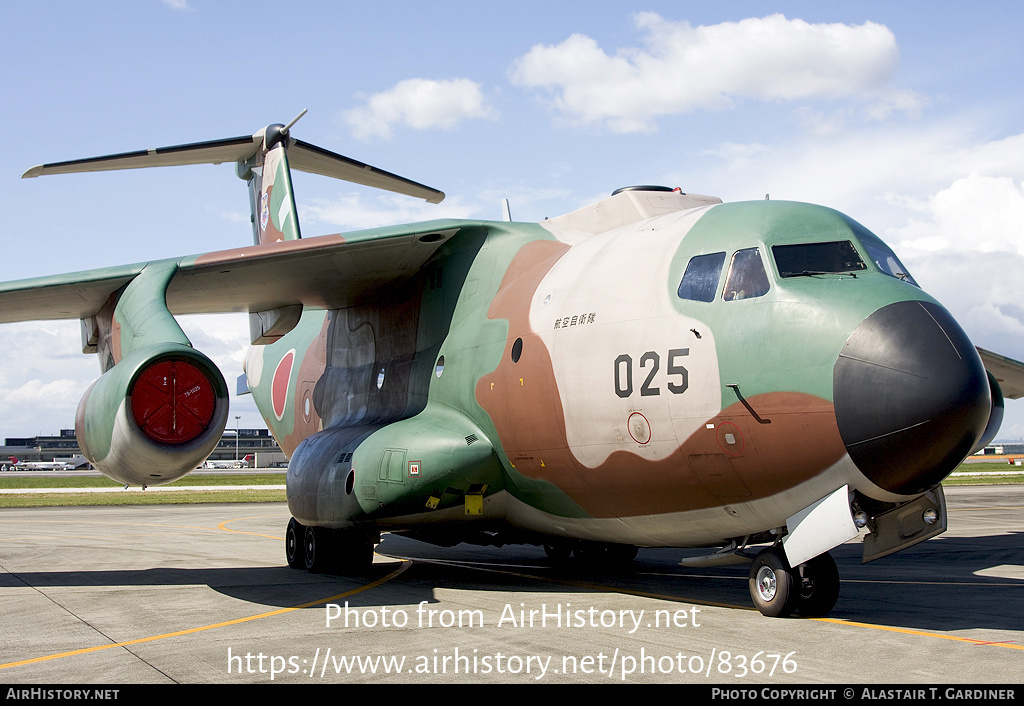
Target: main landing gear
{"type": "Point", "coordinates": [318, 549]}
{"type": "Point", "coordinates": [810, 589]}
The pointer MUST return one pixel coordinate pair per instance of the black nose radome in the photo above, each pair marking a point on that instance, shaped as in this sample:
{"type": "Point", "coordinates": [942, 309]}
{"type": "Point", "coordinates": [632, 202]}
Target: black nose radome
{"type": "Point", "coordinates": [911, 396]}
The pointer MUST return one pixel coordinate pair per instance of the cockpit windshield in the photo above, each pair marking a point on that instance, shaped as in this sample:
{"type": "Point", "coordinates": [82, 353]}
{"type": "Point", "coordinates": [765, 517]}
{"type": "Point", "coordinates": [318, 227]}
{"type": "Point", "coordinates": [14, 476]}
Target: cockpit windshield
{"type": "Point", "coordinates": [807, 259]}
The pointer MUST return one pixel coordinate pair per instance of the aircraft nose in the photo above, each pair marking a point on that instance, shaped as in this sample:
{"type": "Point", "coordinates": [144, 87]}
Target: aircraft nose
{"type": "Point", "coordinates": [911, 396]}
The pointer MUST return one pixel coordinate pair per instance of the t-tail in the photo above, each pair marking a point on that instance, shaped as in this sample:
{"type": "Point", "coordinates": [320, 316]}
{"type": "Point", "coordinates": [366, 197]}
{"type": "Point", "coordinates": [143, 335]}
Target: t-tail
{"type": "Point", "coordinates": [264, 160]}
{"type": "Point", "coordinates": [271, 196]}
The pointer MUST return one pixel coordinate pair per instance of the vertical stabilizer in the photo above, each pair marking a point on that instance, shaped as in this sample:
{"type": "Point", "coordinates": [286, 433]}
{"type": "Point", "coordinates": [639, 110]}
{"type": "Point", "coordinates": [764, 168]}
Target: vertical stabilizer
{"type": "Point", "coordinates": [271, 196]}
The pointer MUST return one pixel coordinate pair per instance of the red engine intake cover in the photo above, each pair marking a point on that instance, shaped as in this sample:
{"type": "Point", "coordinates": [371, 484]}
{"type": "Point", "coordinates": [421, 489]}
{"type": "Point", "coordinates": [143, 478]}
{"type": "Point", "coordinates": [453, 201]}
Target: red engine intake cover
{"type": "Point", "coordinates": [173, 401]}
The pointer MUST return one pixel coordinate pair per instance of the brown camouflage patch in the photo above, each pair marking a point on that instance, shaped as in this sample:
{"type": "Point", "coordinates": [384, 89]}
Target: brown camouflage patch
{"type": "Point", "coordinates": [305, 420]}
{"type": "Point", "coordinates": [732, 458]}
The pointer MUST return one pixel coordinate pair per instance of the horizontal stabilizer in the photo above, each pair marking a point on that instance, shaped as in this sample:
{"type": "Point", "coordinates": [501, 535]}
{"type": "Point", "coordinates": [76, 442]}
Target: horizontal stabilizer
{"type": "Point", "coordinates": [232, 149]}
{"type": "Point", "coordinates": [302, 156]}
{"type": "Point", "coordinates": [315, 160]}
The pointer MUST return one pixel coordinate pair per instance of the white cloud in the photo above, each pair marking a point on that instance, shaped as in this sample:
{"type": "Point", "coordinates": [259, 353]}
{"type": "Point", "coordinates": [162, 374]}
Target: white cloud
{"type": "Point", "coordinates": [45, 374]}
{"type": "Point", "coordinates": [420, 104]}
{"type": "Point", "coordinates": [177, 4]}
{"type": "Point", "coordinates": [43, 377]}
{"type": "Point", "coordinates": [52, 394]}
{"type": "Point", "coordinates": [974, 214]}
{"type": "Point", "coordinates": [883, 175]}
{"type": "Point", "coordinates": [682, 68]}
{"type": "Point", "coordinates": [965, 245]}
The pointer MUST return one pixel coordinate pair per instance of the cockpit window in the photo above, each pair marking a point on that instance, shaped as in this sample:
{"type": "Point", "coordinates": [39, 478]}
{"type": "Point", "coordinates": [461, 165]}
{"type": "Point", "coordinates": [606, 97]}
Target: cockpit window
{"type": "Point", "coordinates": [700, 281]}
{"type": "Point", "coordinates": [885, 258]}
{"type": "Point", "coordinates": [747, 277]}
{"type": "Point", "coordinates": [808, 259]}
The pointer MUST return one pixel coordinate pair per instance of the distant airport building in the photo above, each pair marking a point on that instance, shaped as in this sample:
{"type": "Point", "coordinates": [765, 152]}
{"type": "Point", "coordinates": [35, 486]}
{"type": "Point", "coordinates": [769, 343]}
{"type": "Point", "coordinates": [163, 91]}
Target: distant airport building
{"type": "Point", "coordinates": [257, 444]}
{"type": "Point", "coordinates": [1003, 448]}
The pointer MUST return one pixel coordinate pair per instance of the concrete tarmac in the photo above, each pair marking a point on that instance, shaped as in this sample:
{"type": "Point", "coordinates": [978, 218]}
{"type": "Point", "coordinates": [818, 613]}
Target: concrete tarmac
{"type": "Point", "coordinates": [201, 594]}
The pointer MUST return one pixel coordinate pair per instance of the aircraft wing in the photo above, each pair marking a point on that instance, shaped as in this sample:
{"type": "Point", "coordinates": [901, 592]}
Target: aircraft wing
{"type": "Point", "coordinates": [1009, 373]}
{"type": "Point", "coordinates": [329, 271]}
{"type": "Point", "coordinates": [72, 296]}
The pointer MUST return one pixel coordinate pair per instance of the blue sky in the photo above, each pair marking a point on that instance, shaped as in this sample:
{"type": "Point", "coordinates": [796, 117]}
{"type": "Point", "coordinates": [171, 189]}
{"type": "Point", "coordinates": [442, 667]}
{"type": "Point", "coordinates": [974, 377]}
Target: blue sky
{"type": "Point", "coordinates": [906, 116]}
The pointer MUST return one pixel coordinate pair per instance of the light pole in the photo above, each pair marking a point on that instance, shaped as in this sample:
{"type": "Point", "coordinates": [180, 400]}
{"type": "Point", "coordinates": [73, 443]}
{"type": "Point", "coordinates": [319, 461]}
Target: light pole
{"type": "Point", "coordinates": [237, 417]}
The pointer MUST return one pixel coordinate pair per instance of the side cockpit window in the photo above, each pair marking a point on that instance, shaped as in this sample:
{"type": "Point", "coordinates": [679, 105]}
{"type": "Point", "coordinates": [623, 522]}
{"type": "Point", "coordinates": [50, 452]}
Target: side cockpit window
{"type": "Point", "coordinates": [700, 281]}
{"type": "Point", "coordinates": [747, 278]}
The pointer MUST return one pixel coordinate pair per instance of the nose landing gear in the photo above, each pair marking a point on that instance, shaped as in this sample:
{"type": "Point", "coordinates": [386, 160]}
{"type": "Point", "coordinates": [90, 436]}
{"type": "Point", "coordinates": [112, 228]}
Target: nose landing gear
{"type": "Point", "coordinates": [810, 589]}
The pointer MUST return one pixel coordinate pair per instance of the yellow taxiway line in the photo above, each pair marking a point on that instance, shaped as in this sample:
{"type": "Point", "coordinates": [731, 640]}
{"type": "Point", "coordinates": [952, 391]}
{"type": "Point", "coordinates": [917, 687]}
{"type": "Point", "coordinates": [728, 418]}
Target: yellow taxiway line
{"type": "Point", "coordinates": [86, 650]}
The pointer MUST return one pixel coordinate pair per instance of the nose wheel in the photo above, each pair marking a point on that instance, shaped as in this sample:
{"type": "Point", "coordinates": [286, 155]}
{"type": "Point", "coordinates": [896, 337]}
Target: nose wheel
{"type": "Point", "coordinates": [778, 591]}
{"type": "Point", "coordinates": [819, 586]}
{"type": "Point", "coordinates": [772, 586]}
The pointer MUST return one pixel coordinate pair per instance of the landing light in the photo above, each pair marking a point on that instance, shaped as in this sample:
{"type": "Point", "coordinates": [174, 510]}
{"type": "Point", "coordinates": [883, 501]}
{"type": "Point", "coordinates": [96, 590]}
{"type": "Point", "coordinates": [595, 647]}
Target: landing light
{"type": "Point", "coordinates": [929, 516]}
{"type": "Point", "coordinates": [860, 519]}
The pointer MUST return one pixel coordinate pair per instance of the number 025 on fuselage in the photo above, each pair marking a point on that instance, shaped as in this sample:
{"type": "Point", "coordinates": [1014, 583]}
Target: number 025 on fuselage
{"type": "Point", "coordinates": [657, 369]}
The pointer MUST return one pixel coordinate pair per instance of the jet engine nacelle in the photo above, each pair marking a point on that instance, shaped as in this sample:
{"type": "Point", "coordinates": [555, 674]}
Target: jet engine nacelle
{"type": "Point", "coordinates": [995, 417]}
{"type": "Point", "coordinates": [154, 416]}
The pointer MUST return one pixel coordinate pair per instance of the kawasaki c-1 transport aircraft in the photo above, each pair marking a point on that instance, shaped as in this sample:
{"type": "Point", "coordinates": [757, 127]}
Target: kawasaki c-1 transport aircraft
{"type": "Point", "coordinates": [658, 369]}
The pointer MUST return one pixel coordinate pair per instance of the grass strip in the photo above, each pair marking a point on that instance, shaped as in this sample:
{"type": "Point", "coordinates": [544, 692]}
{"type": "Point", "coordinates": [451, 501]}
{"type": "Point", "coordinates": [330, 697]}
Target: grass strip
{"type": "Point", "coordinates": [982, 473]}
{"type": "Point", "coordinates": [101, 481]}
{"type": "Point", "coordinates": [140, 497]}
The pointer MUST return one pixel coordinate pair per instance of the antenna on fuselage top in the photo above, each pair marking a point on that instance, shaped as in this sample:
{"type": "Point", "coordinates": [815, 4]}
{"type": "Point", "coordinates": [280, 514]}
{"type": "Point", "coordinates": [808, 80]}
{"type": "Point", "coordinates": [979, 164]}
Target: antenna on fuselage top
{"type": "Point", "coordinates": [289, 125]}
{"type": "Point", "coordinates": [506, 213]}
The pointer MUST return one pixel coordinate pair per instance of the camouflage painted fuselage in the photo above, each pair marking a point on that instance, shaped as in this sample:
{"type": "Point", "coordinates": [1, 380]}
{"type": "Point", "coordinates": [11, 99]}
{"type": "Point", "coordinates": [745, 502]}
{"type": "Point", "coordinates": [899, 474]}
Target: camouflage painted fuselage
{"type": "Point", "coordinates": [562, 379]}
{"type": "Point", "coordinates": [656, 369]}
